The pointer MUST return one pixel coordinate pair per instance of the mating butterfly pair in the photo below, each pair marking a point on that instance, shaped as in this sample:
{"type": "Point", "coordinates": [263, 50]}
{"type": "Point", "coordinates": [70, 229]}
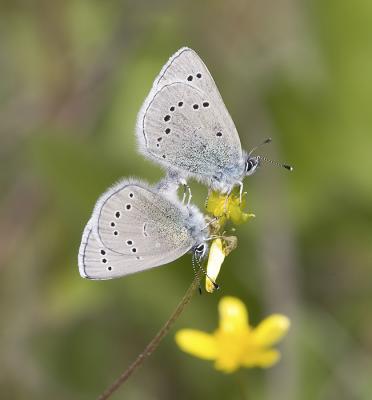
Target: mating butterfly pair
{"type": "Point", "coordinates": [185, 127]}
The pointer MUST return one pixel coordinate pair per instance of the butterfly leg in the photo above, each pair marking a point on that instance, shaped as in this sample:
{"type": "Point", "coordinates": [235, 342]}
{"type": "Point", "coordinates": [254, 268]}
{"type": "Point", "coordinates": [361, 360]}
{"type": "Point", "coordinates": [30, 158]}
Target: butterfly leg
{"type": "Point", "coordinates": [190, 195]}
{"type": "Point", "coordinates": [211, 222]}
{"type": "Point", "coordinates": [186, 188]}
{"type": "Point", "coordinates": [229, 193]}
{"type": "Point", "coordinates": [226, 200]}
{"type": "Point", "coordinates": [240, 192]}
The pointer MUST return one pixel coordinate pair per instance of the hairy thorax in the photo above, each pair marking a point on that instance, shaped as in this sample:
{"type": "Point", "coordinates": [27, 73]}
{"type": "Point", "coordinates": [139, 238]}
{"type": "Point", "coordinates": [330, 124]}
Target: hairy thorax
{"type": "Point", "coordinates": [227, 178]}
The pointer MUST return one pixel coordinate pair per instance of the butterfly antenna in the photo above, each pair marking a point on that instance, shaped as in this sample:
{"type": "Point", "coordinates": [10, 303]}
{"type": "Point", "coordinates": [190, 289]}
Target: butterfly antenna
{"type": "Point", "coordinates": [194, 269]}
{"type": "Point", "coordinates": [286, 166]}
{"type": "Point", "coordinates": [266, 141]}
{"type": "Point", "coordinates": [215, 237]}
{"type": "Point", "coordinates": [216, 285]}
{"type": "Point", "coordinates": [210, 222]}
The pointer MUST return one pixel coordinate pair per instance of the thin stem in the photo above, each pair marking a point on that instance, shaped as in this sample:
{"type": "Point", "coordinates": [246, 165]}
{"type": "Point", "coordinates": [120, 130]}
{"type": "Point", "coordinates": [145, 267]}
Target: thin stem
{"type": "Point", "coordinates": [154, 343]}
{"type": "Point", "coordinates": [241, 382]}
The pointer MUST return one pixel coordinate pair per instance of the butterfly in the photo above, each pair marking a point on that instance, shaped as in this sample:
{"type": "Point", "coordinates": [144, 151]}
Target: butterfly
{"type": "Point", "coordinates": [135, 227]}
{"type": "Point", "coordinates": [184, 126]}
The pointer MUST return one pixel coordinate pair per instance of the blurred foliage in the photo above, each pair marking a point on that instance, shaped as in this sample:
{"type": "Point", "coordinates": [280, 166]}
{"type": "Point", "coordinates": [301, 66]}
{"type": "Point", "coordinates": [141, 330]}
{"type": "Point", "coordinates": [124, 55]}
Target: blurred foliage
{"type": "Point", "coordinates": [74, 74]}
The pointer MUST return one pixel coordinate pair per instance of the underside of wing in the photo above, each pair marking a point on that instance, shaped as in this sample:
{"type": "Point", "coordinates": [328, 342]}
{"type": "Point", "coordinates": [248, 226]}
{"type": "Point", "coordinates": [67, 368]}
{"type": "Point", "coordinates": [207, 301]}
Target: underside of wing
{"type": "Point", "coordinates": [186, 66]}
{"type": "Point", "coordinates": [187, 129]}
{"type": "Point", "coordinates": [133, 220]}
{"type": "Point", "coordinates": [98, 262]}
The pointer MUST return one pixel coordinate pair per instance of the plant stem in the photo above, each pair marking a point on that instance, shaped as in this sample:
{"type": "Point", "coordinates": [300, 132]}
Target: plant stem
{"type": "Point", "coordinates": [241, 383]}
{"type": "Point", "coordinates": [154, 343]}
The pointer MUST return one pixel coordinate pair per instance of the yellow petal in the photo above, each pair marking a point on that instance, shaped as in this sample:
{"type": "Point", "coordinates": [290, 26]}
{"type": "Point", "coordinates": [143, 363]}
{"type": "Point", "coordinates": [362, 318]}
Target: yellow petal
{"type": "Point", "coordinates": [237, 215]}
{"type": "Point", "coordinates": [233, 315]}
{"type": "Point", "coordinates": [197, 343]}
{"type": "Point", "coordinates": [229, 207]}
{"type": "Point", "coordinates": [264, 359]}
{"type": "Point", "coordinates": [216, 204]}
{"type": "Point", "coordinates": [271, 330]}
{"type": "Point", "coordinates": [235, 209]}
{"type": "Point", "coordinates": [226, 365]}
{"type": "Point", "coordinates": [215, 260]}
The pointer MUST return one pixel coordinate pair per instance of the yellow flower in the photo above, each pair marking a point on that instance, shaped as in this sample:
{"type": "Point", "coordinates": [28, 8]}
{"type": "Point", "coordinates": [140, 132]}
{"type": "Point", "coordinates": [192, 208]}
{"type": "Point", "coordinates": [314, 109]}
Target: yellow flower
{"type": "Point", "coordinates": [217, 253]}
{"type": "Point", "coordinates": [225, 208]}
{"type": "Point", "coordinates": [235, 344]}
{"type": "Point", "coordinates": [215, 260]}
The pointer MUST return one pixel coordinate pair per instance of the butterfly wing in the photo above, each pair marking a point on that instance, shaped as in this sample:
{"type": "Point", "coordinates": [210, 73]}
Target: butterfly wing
{"type": "Point", "coordinates": [133, 228]}
{"type": "Point", "coordinates": [98, 262]}
{"type": "Point", "coordinates": [186, 129]}
{"type": "Point", "coordinates": [186, 66]}
{"type": "Point", "coordinates": [184, 123]}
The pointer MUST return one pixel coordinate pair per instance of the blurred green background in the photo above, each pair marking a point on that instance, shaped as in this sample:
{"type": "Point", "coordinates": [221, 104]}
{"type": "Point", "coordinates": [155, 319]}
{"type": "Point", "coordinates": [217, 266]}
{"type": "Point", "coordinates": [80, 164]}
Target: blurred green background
{"type": "Point", "coordinates": [73, 76]}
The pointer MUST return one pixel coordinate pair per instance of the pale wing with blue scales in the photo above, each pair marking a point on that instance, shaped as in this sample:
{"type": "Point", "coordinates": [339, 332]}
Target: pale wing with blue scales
{"type": "Point", "coordinates": [185, 126]}
{"type": "Point", "coordinates": [134, 228]}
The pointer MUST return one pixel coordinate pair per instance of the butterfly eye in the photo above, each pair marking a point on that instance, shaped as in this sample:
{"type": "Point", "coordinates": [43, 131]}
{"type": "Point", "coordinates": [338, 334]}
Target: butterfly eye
{"type": "Point", "coordinates": [250, 164]}
{"type": "Point", "coordinates": [200, 249]}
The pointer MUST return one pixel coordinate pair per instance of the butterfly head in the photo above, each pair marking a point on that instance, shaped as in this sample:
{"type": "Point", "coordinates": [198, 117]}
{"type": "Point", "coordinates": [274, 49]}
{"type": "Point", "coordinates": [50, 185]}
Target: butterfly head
{"type": "Point", "coordinates": [200, 250]}
{"type": "Point", "coordinates": [251, 164]}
